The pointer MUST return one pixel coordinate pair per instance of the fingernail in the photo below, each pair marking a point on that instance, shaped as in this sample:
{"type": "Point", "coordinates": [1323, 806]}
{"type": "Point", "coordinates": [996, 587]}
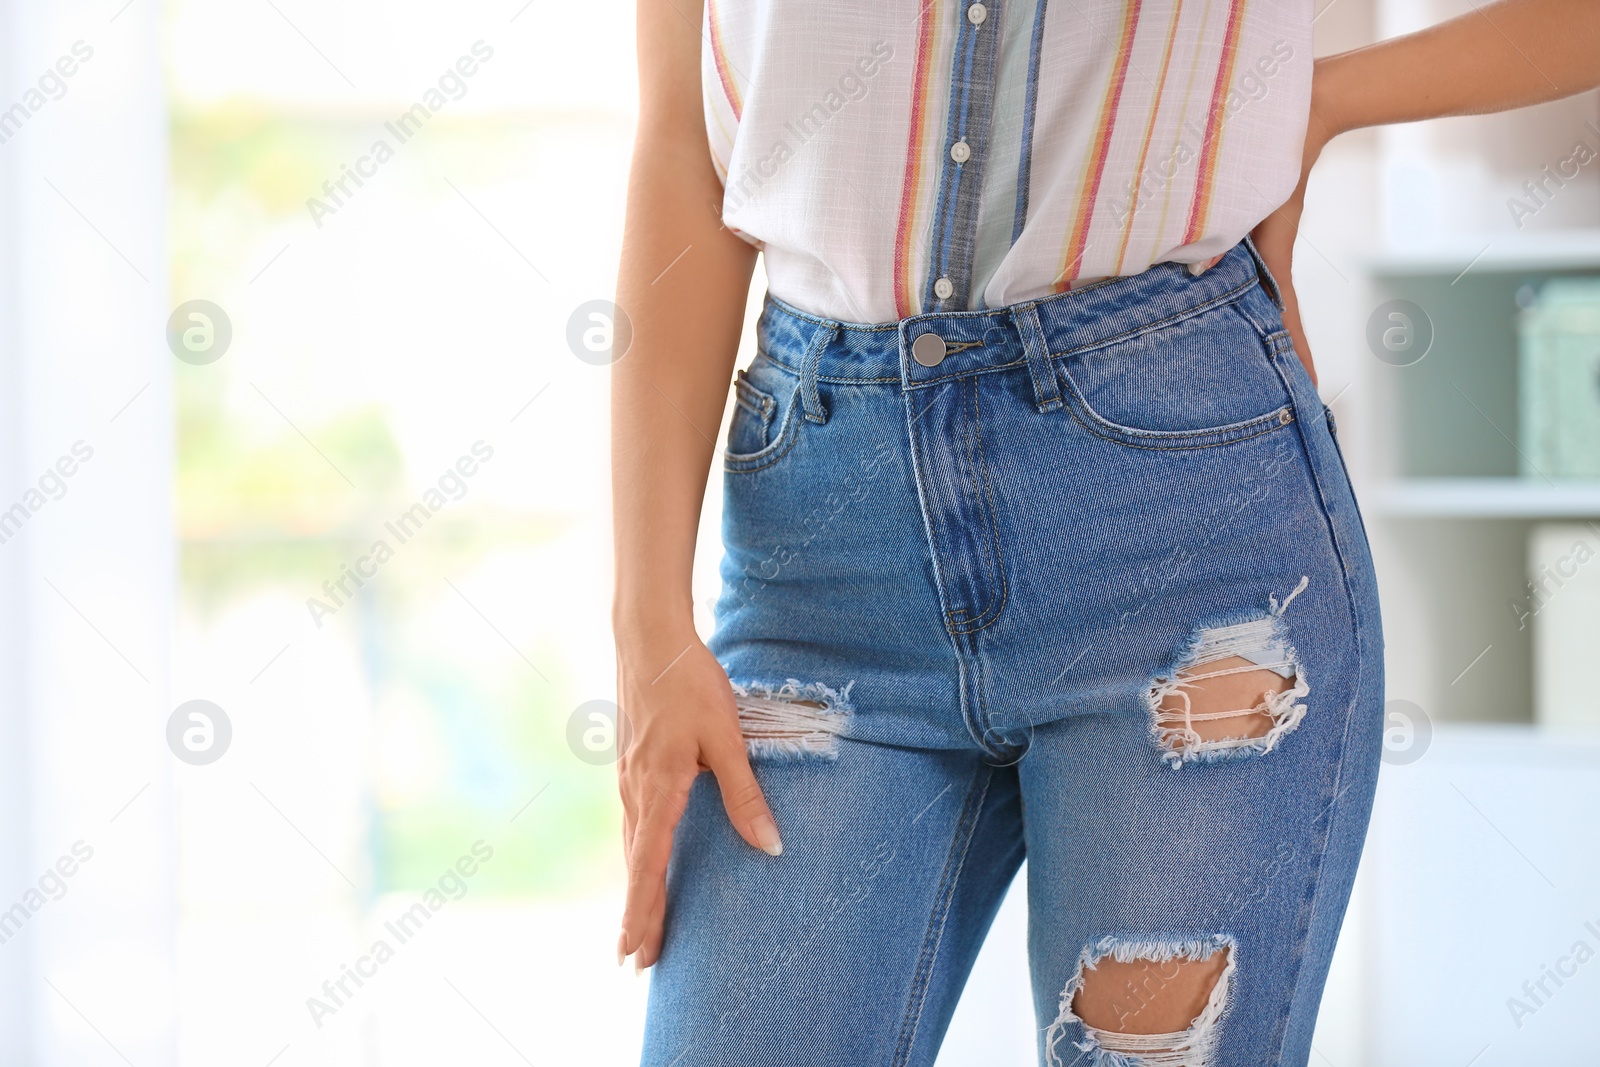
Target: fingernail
{"type": "Point", "coordinates": [621, 955]}
{"type": "Point", "coordinates": [1197, 269]}
{"type": "Point", "coordinates": [766, 832]}
{"type": "Point", "coordinates": [637, 970]}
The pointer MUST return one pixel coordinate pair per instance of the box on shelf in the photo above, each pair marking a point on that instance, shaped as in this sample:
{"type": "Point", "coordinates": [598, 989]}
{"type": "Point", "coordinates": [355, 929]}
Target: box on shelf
{"type": "Point", "coordinates": [1558, 357]}
{"type": "Point", "coordinates": [1562, 606]}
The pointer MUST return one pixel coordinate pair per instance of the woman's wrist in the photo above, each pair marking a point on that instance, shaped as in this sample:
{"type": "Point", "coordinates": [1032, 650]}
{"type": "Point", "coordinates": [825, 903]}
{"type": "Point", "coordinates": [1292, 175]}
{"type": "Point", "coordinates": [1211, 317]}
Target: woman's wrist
{"type": "Point", "coordinates": [1330, 105]}
{"type": "Point", "coordinates": [648, 628]}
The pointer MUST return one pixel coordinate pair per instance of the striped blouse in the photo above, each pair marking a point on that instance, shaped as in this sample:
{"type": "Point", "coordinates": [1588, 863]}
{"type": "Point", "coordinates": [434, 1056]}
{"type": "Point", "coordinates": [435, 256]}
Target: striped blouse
{"type": "Point", "coordinates": [901, 157]}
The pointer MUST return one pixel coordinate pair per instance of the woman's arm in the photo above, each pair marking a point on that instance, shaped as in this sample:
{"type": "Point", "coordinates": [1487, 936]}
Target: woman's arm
{"type": "Point", "coordinates": [1503, 55]}
{"type": "Point", "coordinates": [683, 282]}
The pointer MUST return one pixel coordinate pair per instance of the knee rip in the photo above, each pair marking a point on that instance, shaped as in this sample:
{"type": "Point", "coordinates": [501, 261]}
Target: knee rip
{"type": "Point", "coordinates": [1146, 1004]}
{"type": "Point", "coordinates": [1235, 691]}
{"type": "Point", "coordinates": [792, 720]}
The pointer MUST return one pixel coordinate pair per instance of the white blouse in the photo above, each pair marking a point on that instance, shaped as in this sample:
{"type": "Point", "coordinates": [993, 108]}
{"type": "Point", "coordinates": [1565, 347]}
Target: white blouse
{"type": "Point", "coordinates": [900, 157]}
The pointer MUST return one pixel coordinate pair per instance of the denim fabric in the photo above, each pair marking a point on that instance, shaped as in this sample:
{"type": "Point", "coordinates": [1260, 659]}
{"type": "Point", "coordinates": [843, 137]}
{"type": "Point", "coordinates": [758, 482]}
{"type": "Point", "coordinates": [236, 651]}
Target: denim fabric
{"type": "Point", "coordinates": [972, 580]}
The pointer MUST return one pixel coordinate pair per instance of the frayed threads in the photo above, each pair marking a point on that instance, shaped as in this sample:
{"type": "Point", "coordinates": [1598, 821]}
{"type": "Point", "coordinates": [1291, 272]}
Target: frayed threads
{"type": "Point", "coordinates": [1175, 734]}
{"type": "Point", "coordinates": [793, 720]}
{"type": "Point", "coordinates": [1192, 1047]}
{"type": "Point", "coordinates": [1279, 609]}
{"type": "Point", "coordinates": [1265, 643]}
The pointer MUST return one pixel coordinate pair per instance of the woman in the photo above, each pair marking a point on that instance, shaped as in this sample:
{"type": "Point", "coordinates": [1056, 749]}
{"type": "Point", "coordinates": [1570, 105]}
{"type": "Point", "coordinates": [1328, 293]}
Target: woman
{"type": "Point", "coordinates": [1037, 538]}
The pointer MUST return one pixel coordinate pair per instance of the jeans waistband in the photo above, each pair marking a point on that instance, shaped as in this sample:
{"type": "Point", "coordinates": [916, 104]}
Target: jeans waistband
{"type": "Point", "coordinates": [1028, 333]}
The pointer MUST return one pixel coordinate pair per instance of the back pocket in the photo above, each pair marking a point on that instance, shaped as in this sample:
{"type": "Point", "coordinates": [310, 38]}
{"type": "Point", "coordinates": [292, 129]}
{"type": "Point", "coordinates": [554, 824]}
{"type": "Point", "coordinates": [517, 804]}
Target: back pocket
{"type": "Point", "coordinates": [1204, 380]}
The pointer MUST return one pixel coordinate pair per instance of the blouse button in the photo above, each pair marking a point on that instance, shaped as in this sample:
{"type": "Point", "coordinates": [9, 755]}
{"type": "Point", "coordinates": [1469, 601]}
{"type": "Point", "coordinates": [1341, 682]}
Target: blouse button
{"type": "Point", "coordinates": [976, 13]}
{"type": "Point", "coordinates": [960, 152]}
{"type": "Point", "coordinates": [943, 288]}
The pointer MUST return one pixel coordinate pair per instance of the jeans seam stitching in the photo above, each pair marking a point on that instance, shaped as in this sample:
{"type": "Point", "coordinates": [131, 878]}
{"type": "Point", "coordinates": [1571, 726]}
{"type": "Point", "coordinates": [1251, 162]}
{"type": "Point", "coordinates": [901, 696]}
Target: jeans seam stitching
{"type": "Point", "coordinates": [1229, 297]}
{"type": "Point", "coordinates": [980, 673]}
{"type": "Point", "coordinates": [965, 825]}
{"type": "Point", "coordinates": [836, 379]}
{"type": "Point", "coordinates": [995, 552]}
{"type": "Point", "coordinates": [970, 372]}
{"type": "Point", "coordinates": [919, 452]}
{"type": "Point", "coordinates": [1362, 665]}
{"type": "Point", "coordinates": [1275, 426]}
{"type": "Point", "coordinates": [1309, 904]}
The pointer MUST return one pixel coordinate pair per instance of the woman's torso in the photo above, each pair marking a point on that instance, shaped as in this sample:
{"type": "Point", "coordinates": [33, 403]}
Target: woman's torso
{"type": "Point", "coordinates": [903, 157]}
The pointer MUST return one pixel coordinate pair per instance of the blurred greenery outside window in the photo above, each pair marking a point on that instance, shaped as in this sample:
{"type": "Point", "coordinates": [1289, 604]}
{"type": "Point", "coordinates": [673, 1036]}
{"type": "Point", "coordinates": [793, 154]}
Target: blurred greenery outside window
{"type": "Point", "coordinates": [260, 511]}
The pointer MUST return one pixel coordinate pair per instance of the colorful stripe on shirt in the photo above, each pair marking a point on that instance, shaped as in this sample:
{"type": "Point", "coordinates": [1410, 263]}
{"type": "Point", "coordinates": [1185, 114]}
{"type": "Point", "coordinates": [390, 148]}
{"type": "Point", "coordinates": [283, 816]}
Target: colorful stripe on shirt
{"type": "Point", "coordinates": [917, 177]}
{"type": "Point", "coordinates": [1149, 135]}
{"type": "Point", "coordinates": [1095, 165]}
{"type": "Point", "coordinates": [1206, 181]}
{"type": "Point", "coordinates": [719, 54]}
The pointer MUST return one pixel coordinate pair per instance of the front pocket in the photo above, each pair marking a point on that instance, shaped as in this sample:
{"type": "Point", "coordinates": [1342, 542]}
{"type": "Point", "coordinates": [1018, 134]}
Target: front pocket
{"type": "Point", "coordinates": [1205, 380]}
{"type": "Point", "coordinates": [1176, 439]}
{"type": "Point", "coordinates": [765, 419]}
{"type": "Point", "coordinates": [752, 417]}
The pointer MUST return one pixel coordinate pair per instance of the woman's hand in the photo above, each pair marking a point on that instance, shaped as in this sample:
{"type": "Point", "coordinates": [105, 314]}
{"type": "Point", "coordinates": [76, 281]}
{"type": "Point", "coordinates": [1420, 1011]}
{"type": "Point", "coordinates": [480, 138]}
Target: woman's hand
{"type": "Point", "coordinates": [678, 719]}
{"type": "Point", "coordinates": [1274, 237]}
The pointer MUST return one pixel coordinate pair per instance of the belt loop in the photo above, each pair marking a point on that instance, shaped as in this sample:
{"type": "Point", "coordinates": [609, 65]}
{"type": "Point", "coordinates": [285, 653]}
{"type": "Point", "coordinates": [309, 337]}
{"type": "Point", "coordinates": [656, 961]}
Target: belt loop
{"type": "Point", "coordinates": [1046, 393]}
{"type": "Point", "coordinates": [809, 398]}
{"type": "Point", "coordinates": [1267, 280]}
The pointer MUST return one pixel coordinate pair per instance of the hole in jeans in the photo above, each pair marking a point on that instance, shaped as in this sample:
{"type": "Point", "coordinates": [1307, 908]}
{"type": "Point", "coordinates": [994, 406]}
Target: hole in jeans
{"type": "Point", "coordinates": [1146, 1003]}
{"type": "Point", "coordinates": [1235, 691]}
{"type": "Point", "coordinates": [794, 719]}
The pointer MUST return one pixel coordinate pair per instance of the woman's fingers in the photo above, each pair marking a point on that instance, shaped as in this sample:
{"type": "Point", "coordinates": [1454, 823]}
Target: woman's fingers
{"type": "Point", "coordinates": [660, 807]}
{"type": "Point", "coordinates": [741, 795]}
{"type": "Point", "coordinates": [630, 808]}
{"type": "Point", "coordinates": [630, 816]}
{"type": "Point", "coordinates": [1297, 331]}
{"type": "Point", "coordinates": [655, 927]}
{"type": "Point", "coordinates": [1274, 239]}
{"type": "Point", "coordinates": [1280, 263]}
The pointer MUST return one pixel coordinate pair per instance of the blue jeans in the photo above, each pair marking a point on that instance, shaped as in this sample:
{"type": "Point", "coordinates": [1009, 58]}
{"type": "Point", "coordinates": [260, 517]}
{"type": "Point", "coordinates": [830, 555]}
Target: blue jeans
{"type": "Point", "coordinates": [963, 572]}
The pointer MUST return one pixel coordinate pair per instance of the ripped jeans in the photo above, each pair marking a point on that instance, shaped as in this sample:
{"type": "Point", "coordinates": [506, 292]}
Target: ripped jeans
{"type": "Point", "coordinates": [974, 564]}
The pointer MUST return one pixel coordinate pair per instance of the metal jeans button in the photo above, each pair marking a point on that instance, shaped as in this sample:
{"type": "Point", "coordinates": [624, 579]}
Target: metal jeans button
{"type": "Point", "coordinates": [928, 349]}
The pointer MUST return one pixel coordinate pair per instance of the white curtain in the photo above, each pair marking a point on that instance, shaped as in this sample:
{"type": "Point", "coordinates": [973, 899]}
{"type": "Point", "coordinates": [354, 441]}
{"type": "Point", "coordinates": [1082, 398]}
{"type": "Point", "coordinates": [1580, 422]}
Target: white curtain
{"type": "Point", "coordinates": [86, 549]}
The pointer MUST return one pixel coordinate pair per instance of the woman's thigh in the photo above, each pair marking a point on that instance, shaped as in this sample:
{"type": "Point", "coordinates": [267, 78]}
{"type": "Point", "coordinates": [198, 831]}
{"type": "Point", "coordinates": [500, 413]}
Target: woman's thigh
{"type": "Point", "coordinates": [1193, 637]}
{"type": "Point", "coordinates": [852, 946]}
{"type": "Point", "coordinates": [1145, 879]}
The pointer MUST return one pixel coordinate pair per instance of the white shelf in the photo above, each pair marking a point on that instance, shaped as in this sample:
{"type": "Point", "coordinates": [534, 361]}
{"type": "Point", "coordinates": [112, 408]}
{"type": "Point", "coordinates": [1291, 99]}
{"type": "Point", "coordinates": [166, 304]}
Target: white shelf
{"type": "Point", "coordinates": [1487, 498]}
{"type": "Point", "coordinates": [1494, 252]}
